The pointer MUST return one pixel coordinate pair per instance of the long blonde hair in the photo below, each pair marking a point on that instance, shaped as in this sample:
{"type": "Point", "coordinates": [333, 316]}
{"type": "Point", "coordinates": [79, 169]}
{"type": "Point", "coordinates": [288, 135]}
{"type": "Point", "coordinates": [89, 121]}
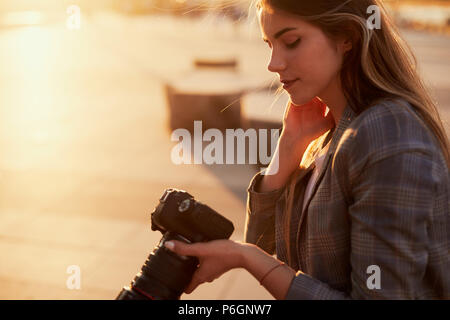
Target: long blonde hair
{"type": "Point", "coordinates": [380, 65]}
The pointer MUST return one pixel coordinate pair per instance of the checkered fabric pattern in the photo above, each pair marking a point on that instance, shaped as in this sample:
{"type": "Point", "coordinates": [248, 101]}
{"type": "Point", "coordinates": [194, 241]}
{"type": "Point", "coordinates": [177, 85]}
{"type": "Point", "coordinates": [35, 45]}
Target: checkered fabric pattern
{"type": "Point", "coordinates": [382, 198]}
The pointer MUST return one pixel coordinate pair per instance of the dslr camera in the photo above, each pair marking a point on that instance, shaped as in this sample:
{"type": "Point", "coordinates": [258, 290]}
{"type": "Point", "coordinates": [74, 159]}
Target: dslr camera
{"type": "Point", "coordinates": [165, 274]}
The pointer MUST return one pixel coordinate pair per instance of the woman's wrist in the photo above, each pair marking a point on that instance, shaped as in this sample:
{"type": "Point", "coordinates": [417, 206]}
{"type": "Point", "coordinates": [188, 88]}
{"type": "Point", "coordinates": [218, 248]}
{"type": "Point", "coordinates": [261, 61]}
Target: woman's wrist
{"type": "Point", "coordinates": [242, 253]}
{"type": "Point", "coordinates": [273, 274]}
{"type": "Point", "coordinates": [291, 142]}
{"type": "Point", "coordinates": [287, 156]}
{"type": "Point", "coordinates": [245, 254]}
{"type": "Point", "coordinates": [252, 256]}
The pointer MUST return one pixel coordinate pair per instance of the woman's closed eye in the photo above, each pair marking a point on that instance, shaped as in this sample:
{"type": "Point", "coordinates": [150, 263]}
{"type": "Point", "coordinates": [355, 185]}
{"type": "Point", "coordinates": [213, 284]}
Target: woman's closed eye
{"type": "Point", "coordinates": [293, 44]}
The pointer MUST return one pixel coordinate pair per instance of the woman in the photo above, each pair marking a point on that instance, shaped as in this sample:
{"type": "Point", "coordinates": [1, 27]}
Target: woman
{"type": "Point", "coordinates": [358, 205]}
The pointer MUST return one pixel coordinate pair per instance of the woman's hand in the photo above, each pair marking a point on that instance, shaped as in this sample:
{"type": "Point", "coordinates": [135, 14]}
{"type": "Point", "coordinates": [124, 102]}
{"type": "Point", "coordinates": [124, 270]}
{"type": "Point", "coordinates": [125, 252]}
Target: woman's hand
{"type": "Point", "coordinates": [302, 124]}
{"type": "Point", "coordinates": [215, 258]}
{"type": "Point", "coordinates": [219, 256]}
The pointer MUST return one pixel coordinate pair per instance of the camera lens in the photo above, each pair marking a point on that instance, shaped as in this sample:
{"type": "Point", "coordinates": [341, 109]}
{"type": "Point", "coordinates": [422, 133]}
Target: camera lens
{"type": "Point", "coordinates": [164, 275]}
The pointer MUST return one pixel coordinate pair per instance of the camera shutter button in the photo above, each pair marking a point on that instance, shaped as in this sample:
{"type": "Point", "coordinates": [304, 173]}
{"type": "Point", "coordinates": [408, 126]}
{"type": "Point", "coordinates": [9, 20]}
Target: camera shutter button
{"type": "Point", "coordinates": [184, 205]}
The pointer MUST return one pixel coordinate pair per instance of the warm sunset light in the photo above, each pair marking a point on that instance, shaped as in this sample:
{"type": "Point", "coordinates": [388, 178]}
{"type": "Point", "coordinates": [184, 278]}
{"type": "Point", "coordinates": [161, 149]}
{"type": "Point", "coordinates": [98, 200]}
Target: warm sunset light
{"type": "Point", "coordinates": [104, 104]}
{"type": "Point", "coordinates": [22, 18]}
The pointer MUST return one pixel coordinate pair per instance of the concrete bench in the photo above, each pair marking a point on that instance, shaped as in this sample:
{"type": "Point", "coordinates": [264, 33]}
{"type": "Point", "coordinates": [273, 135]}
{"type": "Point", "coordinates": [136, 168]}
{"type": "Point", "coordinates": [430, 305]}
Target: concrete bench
{"type": "Point", "coordinates": [210, 93]}
{"type": "Point", "coordinates": [217, 95]}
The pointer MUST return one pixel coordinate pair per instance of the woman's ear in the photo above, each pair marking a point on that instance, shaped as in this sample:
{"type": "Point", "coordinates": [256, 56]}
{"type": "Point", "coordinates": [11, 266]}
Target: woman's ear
{"type": "Point", "coordinates": [346, 45]}
{"type": "Point", "coordinates": [343, 45]}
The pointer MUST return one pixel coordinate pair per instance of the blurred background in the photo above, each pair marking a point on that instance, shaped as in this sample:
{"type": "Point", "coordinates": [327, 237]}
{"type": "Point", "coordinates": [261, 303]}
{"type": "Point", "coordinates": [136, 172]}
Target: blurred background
{"type": "Point", "coordinates": [90, 93]}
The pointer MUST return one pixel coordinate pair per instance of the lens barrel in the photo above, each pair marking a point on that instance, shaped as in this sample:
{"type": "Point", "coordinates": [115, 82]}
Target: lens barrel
{"type": "Point", "coordinates": [164, 275]}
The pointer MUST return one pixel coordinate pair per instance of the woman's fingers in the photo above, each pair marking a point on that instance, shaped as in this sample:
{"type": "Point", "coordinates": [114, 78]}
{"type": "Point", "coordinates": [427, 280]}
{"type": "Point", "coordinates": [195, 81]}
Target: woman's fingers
{"type": "Point", "coordinates": [215, 258]}
{"type": "Point", "coordinates": [321, 106]}
{"type": "Point", "coordinates": [195, 282]}
{"type": "Point", "coordinates": [330, 119]}
{"type": "Point", "coordinates": [184, 249]}
{"type": "Point", "coordinates": [201, 275]}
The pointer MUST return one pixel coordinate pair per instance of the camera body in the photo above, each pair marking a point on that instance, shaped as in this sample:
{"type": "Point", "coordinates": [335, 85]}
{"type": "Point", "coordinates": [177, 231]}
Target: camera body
{"type": "Point", "coordinates": [178, 212]}
{"type": "Point", "coordinates": [178, 216]}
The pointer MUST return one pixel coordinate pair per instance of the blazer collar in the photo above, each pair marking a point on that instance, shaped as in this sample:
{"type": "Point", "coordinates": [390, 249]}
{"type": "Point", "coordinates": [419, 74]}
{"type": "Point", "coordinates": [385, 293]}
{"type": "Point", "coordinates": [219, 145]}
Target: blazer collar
{"type": "Point", "coordinates": [346, 118]}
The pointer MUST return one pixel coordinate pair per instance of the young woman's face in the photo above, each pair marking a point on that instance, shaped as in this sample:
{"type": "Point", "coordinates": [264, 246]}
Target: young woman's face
{"type": "Point", "coordinates": [302, 55]}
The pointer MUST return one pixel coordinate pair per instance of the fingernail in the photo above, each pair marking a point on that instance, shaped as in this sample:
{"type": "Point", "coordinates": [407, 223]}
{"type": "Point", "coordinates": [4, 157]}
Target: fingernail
{"type": "Point", "coordinates": [169, 245]}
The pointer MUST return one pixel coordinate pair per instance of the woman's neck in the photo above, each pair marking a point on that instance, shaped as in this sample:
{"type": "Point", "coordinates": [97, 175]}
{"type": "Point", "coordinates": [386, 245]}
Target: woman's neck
{"type": "Point", "coordinates": [335, 99]}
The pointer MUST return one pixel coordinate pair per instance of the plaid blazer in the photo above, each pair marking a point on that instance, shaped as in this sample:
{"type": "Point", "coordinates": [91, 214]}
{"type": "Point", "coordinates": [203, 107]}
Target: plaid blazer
{"type": "Point", "coordinates": [381, 199]}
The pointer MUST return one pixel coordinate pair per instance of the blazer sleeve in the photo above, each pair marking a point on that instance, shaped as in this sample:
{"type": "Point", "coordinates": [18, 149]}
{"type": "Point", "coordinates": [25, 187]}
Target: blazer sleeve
{"type": "Point", "coordinates": [391, 182]}
{"type": "Point", "coordinates": [260, 215]}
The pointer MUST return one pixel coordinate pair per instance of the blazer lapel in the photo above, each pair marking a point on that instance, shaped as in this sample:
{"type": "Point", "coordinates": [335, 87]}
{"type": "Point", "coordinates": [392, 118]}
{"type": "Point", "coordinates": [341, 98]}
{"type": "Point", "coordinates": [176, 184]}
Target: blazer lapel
{"type": "Point", "coordinates": [322, 170]}
{"type": "Point", "coordinates": [347, 116]}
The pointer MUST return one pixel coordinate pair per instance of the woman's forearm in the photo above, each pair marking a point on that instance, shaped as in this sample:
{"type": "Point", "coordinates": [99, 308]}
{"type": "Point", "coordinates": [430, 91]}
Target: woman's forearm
{"type": "Point", "coordinates": [286, 159]}
{"type": "Point", "coordinates": [259, 264]}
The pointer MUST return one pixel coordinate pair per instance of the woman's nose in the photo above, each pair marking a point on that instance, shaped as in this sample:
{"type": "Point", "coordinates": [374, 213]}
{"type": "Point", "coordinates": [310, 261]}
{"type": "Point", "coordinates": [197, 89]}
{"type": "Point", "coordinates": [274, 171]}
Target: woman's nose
{"type": "Point", "coordinates": [276, 63]}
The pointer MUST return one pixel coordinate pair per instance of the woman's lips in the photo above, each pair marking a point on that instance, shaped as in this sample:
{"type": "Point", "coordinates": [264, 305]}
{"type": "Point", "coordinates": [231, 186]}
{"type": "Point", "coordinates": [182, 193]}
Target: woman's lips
{"type": "Point", "coordinates": [288, 84]}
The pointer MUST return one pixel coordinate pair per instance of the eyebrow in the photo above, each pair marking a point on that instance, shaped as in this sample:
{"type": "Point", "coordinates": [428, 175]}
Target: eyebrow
{"type": "Point", "coordinates": [281, 32]}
